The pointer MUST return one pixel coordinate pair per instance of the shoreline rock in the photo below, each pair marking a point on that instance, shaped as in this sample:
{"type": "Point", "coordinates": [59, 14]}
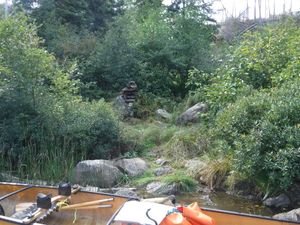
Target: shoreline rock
{"type": "Point", "coordinates": [133, 167]}
{"type": "Point", "coordinates": [100, 173]}
{"type": "Point", "coordinates": [191, 115]}
{"type": "Point", "coordinates": [293, 215]}
{"type": "Point", "coordinates": [160, 188]}
{"type": "Point", "coordinates": [281, 201]}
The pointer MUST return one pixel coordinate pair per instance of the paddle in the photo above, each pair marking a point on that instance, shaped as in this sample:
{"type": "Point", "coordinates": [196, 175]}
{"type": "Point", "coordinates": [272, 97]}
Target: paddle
{"type": "Point", "coordinates": [88, 207]}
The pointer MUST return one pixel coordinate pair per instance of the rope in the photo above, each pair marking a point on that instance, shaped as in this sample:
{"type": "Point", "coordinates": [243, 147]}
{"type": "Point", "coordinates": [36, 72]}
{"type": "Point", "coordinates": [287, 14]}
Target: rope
{"type": "Point", "coordinates": [147, 214]}
{"type": "Point", "coordinates": [61, 204]}
{"type": "Point", "coordinates": [75, 216]}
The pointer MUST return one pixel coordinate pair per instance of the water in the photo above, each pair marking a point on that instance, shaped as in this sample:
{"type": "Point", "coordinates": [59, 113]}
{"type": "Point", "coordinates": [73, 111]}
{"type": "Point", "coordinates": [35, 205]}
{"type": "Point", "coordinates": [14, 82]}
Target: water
{"type": "Point", "coordinates": [221, 200]}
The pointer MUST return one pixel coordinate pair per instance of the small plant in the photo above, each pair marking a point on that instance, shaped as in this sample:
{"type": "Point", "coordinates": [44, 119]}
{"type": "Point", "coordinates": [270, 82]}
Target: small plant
{"type": "Point", "coordinates": [216, 172]}
{"type": "Point", "coordinates": [187, 143]}
{"type": "Point", "coordinates": [145, 179]}
{"type": "Point", "coordinates": [183, 182]}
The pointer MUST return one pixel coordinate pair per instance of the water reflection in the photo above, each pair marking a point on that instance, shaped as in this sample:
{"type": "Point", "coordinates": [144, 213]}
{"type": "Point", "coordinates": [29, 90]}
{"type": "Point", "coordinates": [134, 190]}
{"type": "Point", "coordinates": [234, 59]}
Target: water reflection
{"type": "Point", "coordinates": [221, 200]}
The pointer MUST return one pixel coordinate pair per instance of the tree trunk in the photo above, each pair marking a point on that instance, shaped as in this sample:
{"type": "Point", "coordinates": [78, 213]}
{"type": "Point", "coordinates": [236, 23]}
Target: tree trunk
{"type": "Point", "coordinates": [259, 10]}
{"type": "Point", "coordinates": [254, 9]}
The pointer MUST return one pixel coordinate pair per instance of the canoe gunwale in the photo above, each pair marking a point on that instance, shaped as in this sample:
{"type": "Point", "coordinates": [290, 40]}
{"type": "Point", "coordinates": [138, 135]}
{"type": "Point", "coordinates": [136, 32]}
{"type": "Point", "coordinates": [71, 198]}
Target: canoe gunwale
{"type": "Point", "coordinates": [247, 215]}
{"type": "Point", "coordinates": [15, 221]}
{"type": "Point", "coordinates": [23, 188]}
{"type": "Point", "coordinates": [83, 191]}
{"type": "Point", "coordinates": [15, 192]}
{"type": "Point", "coordinates": [19, 222]}
{"type": "Point", "coordinates": [116, 213]}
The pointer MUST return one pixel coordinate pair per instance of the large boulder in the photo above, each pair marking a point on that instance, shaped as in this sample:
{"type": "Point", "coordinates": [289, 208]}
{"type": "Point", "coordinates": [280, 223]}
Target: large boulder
{"type": "Point", "coordinates": [127, 192]}
{"type": "Point", "coordinates": [293, 215]}
{"type": "Point", "coordinates": [162, 113]}
{"type": "Point", "coordinates": [194, 168]}
{"type": "Point", "coordinates": [159, 188]}
{"type": "Point", "coordinates": [133, 167]}
{"type": "Point", "coordinates": [7, 177]}
{"type": "Point", "coordinates": [294, 194]}
{"type": "Point", "coordinates": [124, 109]}
{"type": "Point", "coordinates": [192, 114]}
{"type": "Point", "coordinates": [162, 170]}
{"type": "Point", "coordinates": [161, 162]}
{"type": "Point", "coordinates": [100, 173]}
{"type": "Point", "coordinates": [280, 201]}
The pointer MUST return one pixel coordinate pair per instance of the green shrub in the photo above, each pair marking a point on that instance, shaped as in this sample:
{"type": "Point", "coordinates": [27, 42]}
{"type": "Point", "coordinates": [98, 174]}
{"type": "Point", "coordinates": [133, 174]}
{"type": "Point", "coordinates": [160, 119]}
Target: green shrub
{"type": "Point", "coordinates": [241, 117]}
{"type": "Point", "coordinates": [264, 59]}
{"type": "Point", "coordinates": [147, 103]}
{"type": "Point", "coordinates": [45, 128]}
{"type": "Point", "coordinates": [262, 132]}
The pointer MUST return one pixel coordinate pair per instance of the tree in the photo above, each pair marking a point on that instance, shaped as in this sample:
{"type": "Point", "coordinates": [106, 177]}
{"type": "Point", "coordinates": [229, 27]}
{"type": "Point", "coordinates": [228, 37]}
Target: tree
{"type": "Point", "coordinates": [42, 118]}
{"type": "Point", "coordinates": [90, 14]}
{"type": "Point", "coordinates": [155, 48]}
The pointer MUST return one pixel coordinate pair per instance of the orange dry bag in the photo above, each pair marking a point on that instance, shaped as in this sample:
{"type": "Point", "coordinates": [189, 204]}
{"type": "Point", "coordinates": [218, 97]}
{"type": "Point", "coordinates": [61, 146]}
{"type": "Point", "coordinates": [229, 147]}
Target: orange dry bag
{"type": "Point", "coordinates": [191, 215]}
{"type": "Point", "coordinates": [195, 216]}
{"type": "Point", "coordinates": [175, 219]}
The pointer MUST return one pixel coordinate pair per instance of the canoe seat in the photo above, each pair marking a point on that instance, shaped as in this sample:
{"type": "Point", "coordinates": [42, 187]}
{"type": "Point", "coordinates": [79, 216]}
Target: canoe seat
{"type": "Point", "coordinates": [24, 209]}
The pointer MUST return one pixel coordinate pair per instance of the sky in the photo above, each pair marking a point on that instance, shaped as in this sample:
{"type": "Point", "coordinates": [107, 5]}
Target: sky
{"type": "Point", "coordinates": [236, 7]}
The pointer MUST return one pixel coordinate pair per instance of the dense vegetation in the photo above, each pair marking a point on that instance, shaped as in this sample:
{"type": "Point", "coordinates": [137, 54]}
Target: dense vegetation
{"type": "Point", "coordinates": [62, 61]}
{"type": "Point", "coordinates": [43, 119]}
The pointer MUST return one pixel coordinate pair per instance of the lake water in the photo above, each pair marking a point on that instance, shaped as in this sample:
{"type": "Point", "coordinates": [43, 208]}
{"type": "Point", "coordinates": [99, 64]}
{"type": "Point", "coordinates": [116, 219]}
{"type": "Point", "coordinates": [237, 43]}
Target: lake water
{"type": "Point", "coordinates": [221, 200]}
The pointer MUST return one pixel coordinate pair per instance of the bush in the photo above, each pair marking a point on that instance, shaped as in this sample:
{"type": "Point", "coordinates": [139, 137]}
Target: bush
{"type": "Point", "coordinates": [147, 103]}
{"type": "Point", "coordinates": [153, 47]}
{"type": "Point", "coordinates": [264, 59]}
{"type": "Point", "coordinates": [262, 132]}
{"type": "Point", "coordinates": [241, 117]}
{"type": "Point", "coordinates": [91, 127]}
{"type": "Point", "coordinates": [45, 128]}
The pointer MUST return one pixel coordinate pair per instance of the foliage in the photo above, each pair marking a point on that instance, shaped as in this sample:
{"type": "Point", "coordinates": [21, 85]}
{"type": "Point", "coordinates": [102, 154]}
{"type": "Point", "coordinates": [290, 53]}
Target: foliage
{"type": "Point", "coordinates": [89, 14]}
{"type": "Point", "coordinates": [184, 183]}
{"type": "Point", "coordinates": [187, 143]}
{"type": "Point", "coordinates": [263, 59]}
{"type": "Point", "coordinates": [42, 119]}
{"type": "Point", "coordinates": [72, 30]}
{"type": "Point", "coordinates": [197, 82]}
{"type": "Point", "coordinates": [145, 179]}
{"type": "Point", "coordinates": [262, 133]}
{"type": "Point", "coordinates": [216, 171]}
{"type": "Point", "coordinates": [155, 48]}
{"type": "Point", "coordinates": [147, 103]}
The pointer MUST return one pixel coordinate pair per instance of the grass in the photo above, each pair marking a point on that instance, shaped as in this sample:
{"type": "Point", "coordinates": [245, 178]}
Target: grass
{"type": "Point", "coordinates": [179, 178]}
{"type": "Point", "coordinates": [187, 143]}
{"type": "Point", "coordinates": [145, 179]}
{"type": "Point", "coordinates": [169, 140]}
{"type": "Point", "coordinates": [148, 135]}
{"type": "Point", "coordinates": [183, 182]}
{"type": "Point", "coordinates": [50, 162]}
{"type": "Point", "coordinates": [173, 142]}
{"type": "Point", "coordinates": [216, 171]}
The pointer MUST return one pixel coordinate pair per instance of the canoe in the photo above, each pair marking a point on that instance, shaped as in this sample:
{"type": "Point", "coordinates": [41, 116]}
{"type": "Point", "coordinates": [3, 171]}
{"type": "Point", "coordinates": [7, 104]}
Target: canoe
{"type": "Point", "coordinates": [25, 194]}
{"type": "Point", "coordinates": [24, 204]}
